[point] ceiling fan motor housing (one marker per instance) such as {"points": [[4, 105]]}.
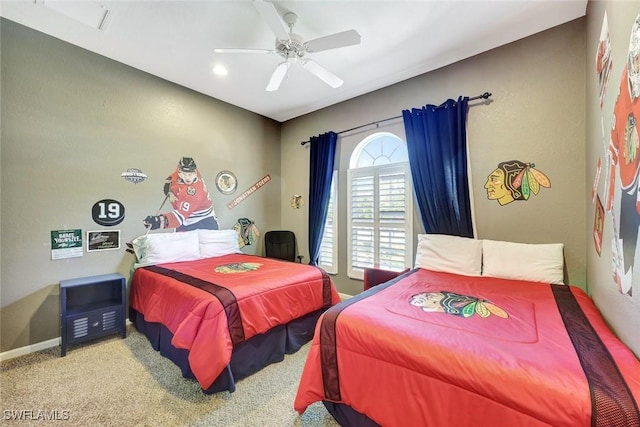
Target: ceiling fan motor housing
{"points": [[292, 48]]}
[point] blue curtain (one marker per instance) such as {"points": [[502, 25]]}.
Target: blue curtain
{"points": [[323, 150], [436, 143]]}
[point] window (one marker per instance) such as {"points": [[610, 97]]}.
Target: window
{"points": [[328, 259], [380, 199]]}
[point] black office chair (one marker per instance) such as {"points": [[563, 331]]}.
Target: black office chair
{"points": [[281, 244]]}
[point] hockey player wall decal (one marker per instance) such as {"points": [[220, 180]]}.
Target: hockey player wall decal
{"points": [[190, 199], [624, 158]]}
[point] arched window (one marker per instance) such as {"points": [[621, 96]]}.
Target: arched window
{"points": [[380, 205], [379, 149]]}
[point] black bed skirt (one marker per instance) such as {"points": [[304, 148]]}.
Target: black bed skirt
{"points": [[347, 416], [247, 358]]}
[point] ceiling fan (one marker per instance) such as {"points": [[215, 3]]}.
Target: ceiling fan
{"points": [[293, 47]]}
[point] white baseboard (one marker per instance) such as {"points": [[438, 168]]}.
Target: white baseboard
{"points": [[29, 349], [16, 352], [344, 296]]}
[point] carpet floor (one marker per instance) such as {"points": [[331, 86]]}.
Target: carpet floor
{"points": [[125, 382]]}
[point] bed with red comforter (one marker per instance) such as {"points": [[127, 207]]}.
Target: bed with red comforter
{"points": [[225, 317], [434, 349]]}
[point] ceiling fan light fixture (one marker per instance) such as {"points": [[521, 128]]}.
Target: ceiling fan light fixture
{"points": [[293, 47]]}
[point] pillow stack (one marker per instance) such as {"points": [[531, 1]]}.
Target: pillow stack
{"points": [[159, 248]]}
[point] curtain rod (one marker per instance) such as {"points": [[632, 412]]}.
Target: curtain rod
{"points": [[485, 95]]}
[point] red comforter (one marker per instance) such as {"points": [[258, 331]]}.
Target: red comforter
{"points": [[211, 304], [469, 351]]}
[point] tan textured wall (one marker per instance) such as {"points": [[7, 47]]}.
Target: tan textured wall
{"points": [[536, 114], [72, 122], [621, 311]]}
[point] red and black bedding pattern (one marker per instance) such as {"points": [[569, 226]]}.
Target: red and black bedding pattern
{"points": [[212, 304], [329, 345], [228, 299], [612, 401], [440, 348], [224, 295]]}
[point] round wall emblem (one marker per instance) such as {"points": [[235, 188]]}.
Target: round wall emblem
{"points": [[108, 212], [226, 182]]}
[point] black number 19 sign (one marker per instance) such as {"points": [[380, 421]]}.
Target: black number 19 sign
{"points": [[108, 212]]}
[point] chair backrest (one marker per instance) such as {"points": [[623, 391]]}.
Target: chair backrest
{"points": [[280, 244]]}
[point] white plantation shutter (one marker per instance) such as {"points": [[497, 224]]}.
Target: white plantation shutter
{"points": [[379, 218], [362, 215], [328, 259], [393, 218]]}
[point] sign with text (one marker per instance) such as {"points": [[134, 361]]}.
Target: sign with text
{"points": [[103, 240], [249, 191], [66, 244]]}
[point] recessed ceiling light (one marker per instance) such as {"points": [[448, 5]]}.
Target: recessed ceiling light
{"points": [[219, 70]]}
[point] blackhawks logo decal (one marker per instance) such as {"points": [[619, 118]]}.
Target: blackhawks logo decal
{"points": [[456, 304], [237, 267]]}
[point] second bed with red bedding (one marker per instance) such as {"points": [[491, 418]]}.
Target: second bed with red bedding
{"points": [[434, 348]]}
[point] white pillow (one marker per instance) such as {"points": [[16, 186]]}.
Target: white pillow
{"points": [[451, 254], [523, 261], [218, 243], [158, 248]]}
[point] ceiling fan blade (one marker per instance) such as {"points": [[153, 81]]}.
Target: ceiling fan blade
{"points": [[322, 73], [278, 76], [333, 41], [241, 50], [272, 17]]}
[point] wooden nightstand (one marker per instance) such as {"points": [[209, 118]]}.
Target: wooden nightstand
{"points": [[375, 276]]}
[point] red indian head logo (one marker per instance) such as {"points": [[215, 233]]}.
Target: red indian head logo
{"points": [[237, 267], [456, 304]]}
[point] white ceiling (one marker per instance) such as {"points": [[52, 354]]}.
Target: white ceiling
{"points": [[174, 40]]}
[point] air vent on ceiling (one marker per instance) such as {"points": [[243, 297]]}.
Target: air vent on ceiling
{"points": [[89, 13]]}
